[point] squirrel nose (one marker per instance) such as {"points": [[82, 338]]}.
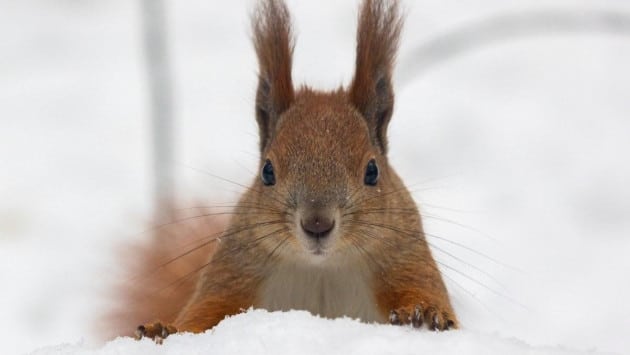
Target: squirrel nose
{"points": [[317, 225]]}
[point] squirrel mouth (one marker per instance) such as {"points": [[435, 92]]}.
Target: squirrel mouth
{"points": [[319, 251], [317, 248]]}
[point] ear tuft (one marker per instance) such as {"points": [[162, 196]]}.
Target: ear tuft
{"points": [[371, 90], [273, 42]]}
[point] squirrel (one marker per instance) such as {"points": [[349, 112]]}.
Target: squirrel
{"points": [[328, 226]]}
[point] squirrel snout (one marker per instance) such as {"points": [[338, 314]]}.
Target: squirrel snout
{"points": [[317, 225]]}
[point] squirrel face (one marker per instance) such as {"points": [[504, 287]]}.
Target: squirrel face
{"points": [[319, 161], [323, 154]]}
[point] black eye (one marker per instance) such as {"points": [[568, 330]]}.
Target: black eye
{"points": [[267, 175], [371, 173]]}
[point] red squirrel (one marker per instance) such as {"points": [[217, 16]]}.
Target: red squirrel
{"points": [[327, 226]]}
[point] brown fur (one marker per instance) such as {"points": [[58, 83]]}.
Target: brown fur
{"points": [[319, 145], [273, 42], [158, 279], [371, 90]]}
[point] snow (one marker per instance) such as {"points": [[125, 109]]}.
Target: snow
{"points": [[517, 153], [298, 332]]}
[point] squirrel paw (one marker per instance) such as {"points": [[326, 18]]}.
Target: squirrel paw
{"points": [[156, 331], [417, 316]]}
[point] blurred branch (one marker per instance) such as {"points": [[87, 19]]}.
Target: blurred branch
{"points": [[504, 27], [161, 103]]}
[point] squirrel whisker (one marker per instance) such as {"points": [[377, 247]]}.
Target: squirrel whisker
{"points": [[444, 264], [247, 188], [207, 240]]}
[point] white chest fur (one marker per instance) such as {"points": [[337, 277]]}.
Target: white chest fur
{"points": [[328, 291]]}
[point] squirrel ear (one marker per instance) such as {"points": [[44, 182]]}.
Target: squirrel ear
{"points": [[273, 42], [371, 90]]}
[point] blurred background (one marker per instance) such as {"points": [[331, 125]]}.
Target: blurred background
{"points": [[511, 127]]}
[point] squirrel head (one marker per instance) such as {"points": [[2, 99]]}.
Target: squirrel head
{"points": [[324, 154]]}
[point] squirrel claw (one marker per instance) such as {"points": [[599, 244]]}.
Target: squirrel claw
{"points": [[417, 317], [156, 331], [439, 320], [402, 317], [394, 318], [140, 331], [434, 319]]}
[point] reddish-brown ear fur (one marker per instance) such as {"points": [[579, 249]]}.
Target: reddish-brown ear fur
{"points": [[371, 90], [274, 47]]}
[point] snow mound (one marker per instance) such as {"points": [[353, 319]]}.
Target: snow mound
{"points": [[298, 332]]}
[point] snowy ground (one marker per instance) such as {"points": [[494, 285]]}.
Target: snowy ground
{"points": [[518, 150], [298, 332]]}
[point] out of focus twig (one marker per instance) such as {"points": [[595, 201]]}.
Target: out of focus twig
{"points": [[438, 50], [161, 104]]}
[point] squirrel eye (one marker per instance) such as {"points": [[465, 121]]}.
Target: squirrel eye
{"points": [[371, 173], [267, 175]]}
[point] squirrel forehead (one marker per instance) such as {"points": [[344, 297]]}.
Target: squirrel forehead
{"points": [[321, 126]]}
